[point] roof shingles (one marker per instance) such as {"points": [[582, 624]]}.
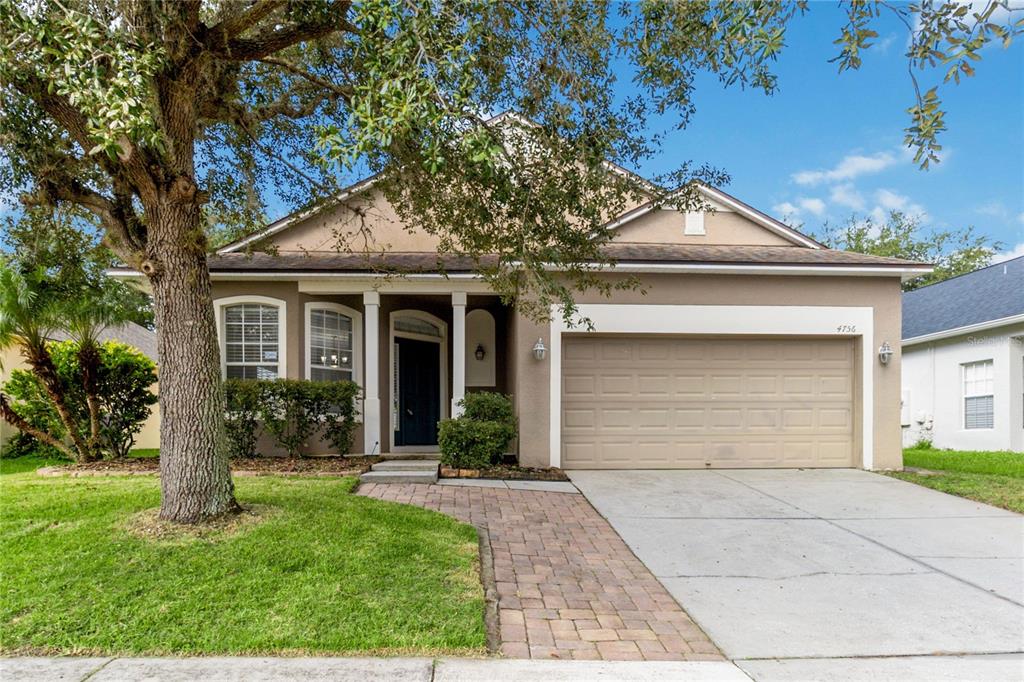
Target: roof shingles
{"points": [[409, 262], [988, 294]]}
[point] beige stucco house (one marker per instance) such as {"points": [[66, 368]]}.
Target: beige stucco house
{"points": [[751, 346]]}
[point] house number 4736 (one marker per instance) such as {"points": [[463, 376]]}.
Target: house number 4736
{"points": [[846, 329]]}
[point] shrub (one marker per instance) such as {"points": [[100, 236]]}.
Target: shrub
{"points": [[486, 406], [292, 411], [470, 444], [123, 384], [481, 435], [242, 419]]}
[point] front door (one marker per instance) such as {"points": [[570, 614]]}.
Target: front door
{"points": [[419, 391]]}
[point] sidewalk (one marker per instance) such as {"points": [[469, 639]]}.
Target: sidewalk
{"points": [[68, 669]]}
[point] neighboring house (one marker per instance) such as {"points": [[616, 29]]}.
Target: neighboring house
{"points": [[128, 333], [963, 360], [752, 346]]}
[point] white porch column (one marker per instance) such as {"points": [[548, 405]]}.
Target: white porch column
{"points": [[458, 350], [371, 384]]}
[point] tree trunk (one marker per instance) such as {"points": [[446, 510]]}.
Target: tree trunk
{"points": [[195, 478]]}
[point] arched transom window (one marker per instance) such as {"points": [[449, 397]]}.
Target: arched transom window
{"points": [[252, 347]]}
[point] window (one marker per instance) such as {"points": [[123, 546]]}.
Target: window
{"points": [[978, 395], [331, 354], [252, 347], [333, 342], [417, 325]]}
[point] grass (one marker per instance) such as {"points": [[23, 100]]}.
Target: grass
{"points": [[321, 571], [995, 478], [144, 453]]}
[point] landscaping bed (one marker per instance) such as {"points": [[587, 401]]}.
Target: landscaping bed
{"points": [[506, 472], [311, 570], [241, 466], [995, 478]]}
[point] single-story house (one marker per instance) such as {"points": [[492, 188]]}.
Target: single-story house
{"points": [[752, 345], [963, 361], [128, 333]]}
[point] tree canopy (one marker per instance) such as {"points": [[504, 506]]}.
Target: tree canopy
{"points": [[168, 121], [952, 252]]}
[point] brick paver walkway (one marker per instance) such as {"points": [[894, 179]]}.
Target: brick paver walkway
{"points": [[568, 586]]}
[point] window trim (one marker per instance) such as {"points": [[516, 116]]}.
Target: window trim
{"points": [[357, 336], [964, 395], [282, 327]]}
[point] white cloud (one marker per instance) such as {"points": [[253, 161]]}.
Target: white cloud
{"points": [[1015, 252], [995, 209], [850, 167], [813, 205], [790, 211], [785, 209], [847, 195], [889, 200]]}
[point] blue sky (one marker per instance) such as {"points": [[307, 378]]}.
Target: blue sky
{"points": [[827, 145]]}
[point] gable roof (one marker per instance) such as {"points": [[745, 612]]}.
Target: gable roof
{"points": [[990, 296]]}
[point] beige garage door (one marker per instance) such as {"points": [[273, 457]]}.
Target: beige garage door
{"points": [[688, 403]]}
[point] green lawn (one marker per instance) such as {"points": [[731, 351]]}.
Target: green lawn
{"points": [[995, 478], [325, 572]]}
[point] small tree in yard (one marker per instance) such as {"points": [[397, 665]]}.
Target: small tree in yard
{"points": [[165, 120], [953, 252], [123, 382]]}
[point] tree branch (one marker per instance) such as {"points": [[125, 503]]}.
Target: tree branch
{"points": [[233, 26], [275, 39], [19, 422]]}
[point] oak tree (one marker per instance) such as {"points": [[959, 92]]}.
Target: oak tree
{"points": [[169, 121]]}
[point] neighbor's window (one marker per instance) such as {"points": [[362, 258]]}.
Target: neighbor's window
{"points": [[978, 395], [251, 344], [330, 345]]}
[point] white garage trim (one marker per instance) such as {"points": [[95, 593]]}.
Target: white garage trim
{"points": [[613, 318]]}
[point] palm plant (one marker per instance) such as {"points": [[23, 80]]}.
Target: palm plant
{"points": [[27, 318]]}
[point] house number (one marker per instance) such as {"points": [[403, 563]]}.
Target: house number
{"points": [[846, 329]]}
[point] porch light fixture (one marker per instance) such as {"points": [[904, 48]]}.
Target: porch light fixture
{"points": [[885, 353], [479, 353], [539, 349]]}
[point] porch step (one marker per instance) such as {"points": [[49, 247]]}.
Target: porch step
{"points": [[426, 465], [402, 471]]}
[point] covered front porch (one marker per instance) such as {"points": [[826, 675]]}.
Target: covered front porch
{"points": [[424, 352]]}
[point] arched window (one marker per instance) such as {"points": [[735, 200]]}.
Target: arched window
{"points": [[252, 343], [333, 342]]}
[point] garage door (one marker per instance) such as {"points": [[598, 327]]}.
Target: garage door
{"points": [[687, 403]]}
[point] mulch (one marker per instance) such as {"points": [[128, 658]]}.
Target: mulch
{"points": [[509, 472], [249, 466]]}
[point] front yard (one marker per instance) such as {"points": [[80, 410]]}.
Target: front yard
{"points": [[322, 571], [995, 478]]}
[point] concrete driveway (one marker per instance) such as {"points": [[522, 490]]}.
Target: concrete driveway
{"points": [[820, 564]]}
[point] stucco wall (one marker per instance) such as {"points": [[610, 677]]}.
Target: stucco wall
{"points": [[720, 227], [881, 294], [933, 389]]}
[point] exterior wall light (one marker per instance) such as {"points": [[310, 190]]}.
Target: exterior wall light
{"points": [[539, 349], [885, 353], [479, 353]]}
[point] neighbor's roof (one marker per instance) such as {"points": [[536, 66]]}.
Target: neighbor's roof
{"points": [[983, 296], [128, 333], [623, 253]]}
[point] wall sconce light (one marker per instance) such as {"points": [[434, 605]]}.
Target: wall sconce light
{"points": [[885, 353], [539, 349], [479, 353]]}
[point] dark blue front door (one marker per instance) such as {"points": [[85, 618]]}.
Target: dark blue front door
{"points": [[419, 389]]}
